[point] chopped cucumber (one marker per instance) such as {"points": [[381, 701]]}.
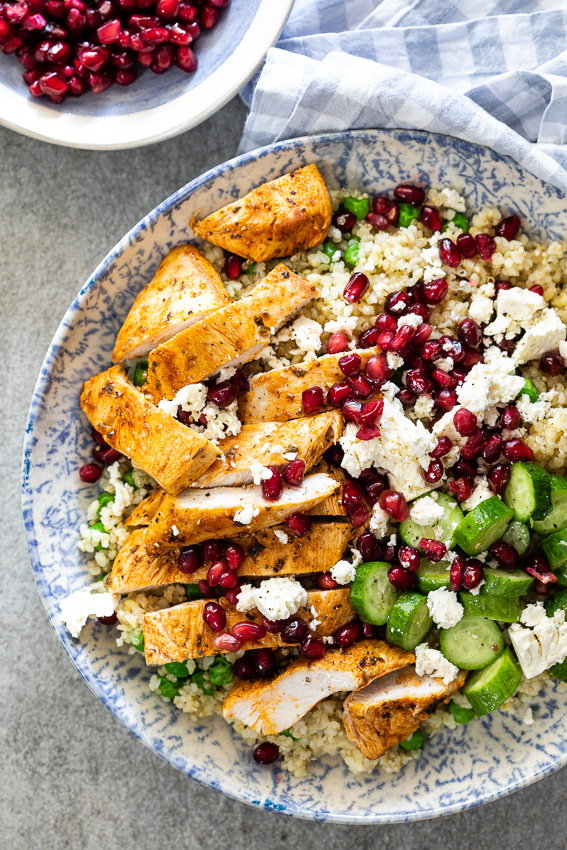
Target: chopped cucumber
{"points": [[372, 595], [561, 576], [557, 519], [554, 548], [483, 526], [472, 644], [501, 608], [518, 535], [489, 688], [412, 533], [557, 602], [432, 576], [409, 622], [530, 390], [506, 583], [528, 492]]}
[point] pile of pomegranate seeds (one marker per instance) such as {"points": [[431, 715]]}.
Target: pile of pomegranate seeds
{"points": [[69, 47]]}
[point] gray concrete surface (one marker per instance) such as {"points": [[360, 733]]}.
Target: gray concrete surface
{"points": [[70, 776]]}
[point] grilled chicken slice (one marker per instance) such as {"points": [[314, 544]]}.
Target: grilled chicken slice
{"points": [[198, 514], [228, 337], [283, 217], [268, 444], [186, 288], [146, 510], [178, 633], [275, 396], [389, 709], [160, 445], [269, 707]]}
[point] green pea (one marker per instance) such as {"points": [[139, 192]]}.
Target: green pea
{"points": [[128, 478], [202, 683], [287, 733], [103, 500], [359, 206], [193, 592], [408, 213], [351, 255], [168, 689], [221, 672], [329, 249], [413, 742], [140, 373], [530, 390], [137, 640], [461, 221], [251, 268], [98, 526], [461, 715], [177, 668]]}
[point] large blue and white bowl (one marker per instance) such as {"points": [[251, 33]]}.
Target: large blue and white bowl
{"points": [[154, 107], [458, 769]]}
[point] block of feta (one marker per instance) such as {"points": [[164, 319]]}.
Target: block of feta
{"points": [[546, 335], [431, 662], [538, 640], [426, 511], [82, 604], [275, 598], [444, 608]]}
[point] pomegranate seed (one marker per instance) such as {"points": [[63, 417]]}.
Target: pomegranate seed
{"points": [[215, 572], [377, 369], [337, 343], [367, 433], [351, 410], [338, 393], [369, 630], [465, 422], [325, 581], [351, 495], [358, 516], [373, 491], [435, 292], [385, 322], [10, 47], [272, 488], [313, 400], [227, 643], [222, 394], [516, 449], [89, 473], [474, 445], [510, 417], [214, 616], [445, 400], [94, 58], [233, 267], [356, 287], [385, 207], [190, 559], [409, 194], [498, 478], [53, 83], [473, 574], [502, 285], [34, 22], [99, 82], [344, 220], [125, 77], [434, 472], [75, 21], [58, 53], [456, 573], [234, 556], [444, 379], [106, 455], [443, 447], [205, 589], [124, 60], [368, 546], [492, 449], [298, 523], [505, 554], [213, 550], [228, 580], [108, 621], [368, 338], [296, 630], [398, 302], [334, 455], [406, 397], [431, 217], [232, 594], [178, 35], [294, 472], [394, 504], [552, 364], [379, 222], [347, 634], [245, 667], [265, 662], [219, 4], [508, 228], [465, 467], [403, 337], [32, 76], [273, 626], [350, 364], [208, 17], [167, 9], [486, 246], [434, 550], [418, 383], [452, 348], [155, 35], [409, 558], [6, 31], [248, 631], [188, 13], [537, 565], [469, 332], [266, 753], [109, 32], [402, 579], [461, 488], [360, 386], [419, 310], [240, 382], [470, 358], [312, 648], [449, 253], [537, 289], [371, 412], [186, 59], [431, 350], [423, 333]]}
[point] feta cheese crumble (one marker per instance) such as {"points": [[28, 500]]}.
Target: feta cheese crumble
{"points": [[260, 473], [82, 604], [489, 384], [275, 598], [431, 662], [379, 522], [343, 572], [480, 493], [282, 536], [444, 608], [246, 514], [426, 511], [193, 400], [538, 640], [307, 335]]}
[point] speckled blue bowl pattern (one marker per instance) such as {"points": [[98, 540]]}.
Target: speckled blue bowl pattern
{"points": [[458, 769]]}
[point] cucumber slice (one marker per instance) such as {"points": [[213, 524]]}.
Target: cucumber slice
{"points": [[528, 492], [372, 595], [554, 548], [432, 576], [472, 644], [409, 622], [557, 519], [557, 602], [508, 584], [489, 688], [530, 390], [492, 607], [412, 533], [483, 526], [561, 576], [518, 535]]}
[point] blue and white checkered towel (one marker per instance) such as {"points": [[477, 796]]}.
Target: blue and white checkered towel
{"points": [[491, 72]]}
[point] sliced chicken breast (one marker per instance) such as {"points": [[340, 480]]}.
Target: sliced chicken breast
{"points": [[268, 444], [178, 633], [185, 289], [269, 707], [390, 709], [275, 396], [157, 443], [228, 337], [199, 514], [146, 510], [278, 219]]}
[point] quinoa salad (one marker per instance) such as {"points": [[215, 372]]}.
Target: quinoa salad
{"points": [[330, 458]]}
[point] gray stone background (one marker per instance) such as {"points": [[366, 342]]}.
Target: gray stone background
{"points": [[70, 775]]}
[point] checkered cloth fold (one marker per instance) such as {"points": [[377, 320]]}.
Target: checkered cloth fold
{"points": [[491, 72]]}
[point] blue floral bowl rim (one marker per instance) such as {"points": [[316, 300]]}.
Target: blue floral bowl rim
{"points": [[42, 387]]}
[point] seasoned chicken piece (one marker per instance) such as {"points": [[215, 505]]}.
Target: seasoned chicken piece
{"points": [[228, 337], [186, 288], [269, 707], [178, 633], [283, 217], [275, 396], [268, 444], [197, 515], [160, 445], [146, 510], [390, 709]]}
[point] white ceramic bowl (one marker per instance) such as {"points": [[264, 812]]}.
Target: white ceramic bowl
{"points": [[457, 769], [154, 107]]}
